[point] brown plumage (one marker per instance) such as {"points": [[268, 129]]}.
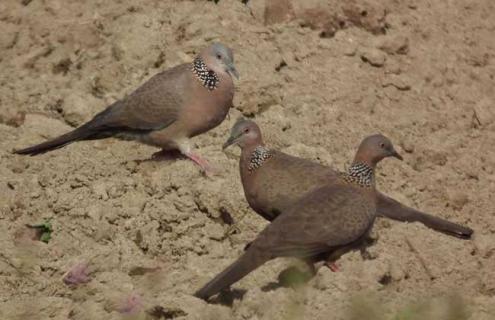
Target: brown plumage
{"points": [[167, 110], [330, 219], [283, 179]]}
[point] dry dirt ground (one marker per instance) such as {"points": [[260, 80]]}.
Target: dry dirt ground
{"points": [[317, 77]]}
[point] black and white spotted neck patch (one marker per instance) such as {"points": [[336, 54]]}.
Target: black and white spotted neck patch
{"points": [[361, 174], [208, 77], [258, 157]]}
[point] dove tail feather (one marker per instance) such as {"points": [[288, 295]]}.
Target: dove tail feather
{"points": [[248, 262], [392, 209], [81, 133]]}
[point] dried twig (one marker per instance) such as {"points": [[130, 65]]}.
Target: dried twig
{"points": [[420, 258]]}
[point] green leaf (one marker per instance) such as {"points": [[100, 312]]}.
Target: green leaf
{"points": [[45, 237]]}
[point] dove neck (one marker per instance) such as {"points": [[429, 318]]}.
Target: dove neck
{"points": [[208, 78], [362, 174], [255, 156]]}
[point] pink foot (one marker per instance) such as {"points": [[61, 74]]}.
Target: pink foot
{"points": [[332, 266], [202, 163]]}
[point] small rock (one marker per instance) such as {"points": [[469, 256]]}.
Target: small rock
{"points": [[8, 36], [94, 213], [278, 11], [393, 67], [458, 199], [45, 126], [393, 44], [483, 113], [116, 191], [401, 82], [437, 157], [35, 195], [100, 190], [78, 180], [76, 110], [366, 15], [276, 114], [348, 45], [17, 167], [396, 272], [407, 144], [13, 119], [472, 171], [63, 66], [374, 57], [412, 6], [257, 8], [485, 246], [214, 231]]}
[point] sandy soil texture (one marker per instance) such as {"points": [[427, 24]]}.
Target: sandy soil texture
{"points": [[317, 76]]}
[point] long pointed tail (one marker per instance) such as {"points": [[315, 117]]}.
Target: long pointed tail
{"points": [[390, 208], [80, 133], [248, 262]]}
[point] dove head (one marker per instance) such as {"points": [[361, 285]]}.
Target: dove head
{"points": [[219, 58], [375, 148], [244, 133]]}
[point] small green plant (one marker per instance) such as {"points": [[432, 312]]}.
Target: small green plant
{"points": [[43, 230]]}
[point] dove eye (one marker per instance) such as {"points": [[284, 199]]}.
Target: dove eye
{"points": [[382, 145], [246, 130], [219, 56]]}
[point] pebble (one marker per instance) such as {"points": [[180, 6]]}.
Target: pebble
{"points": [[75, 108], [374, 57], [401, 82], [458, 199], [214, 231], [8, 36], [485, 246], [396, 272], [349, 48], [484, 113], [407, 144], [393, 44], [278, 11], [100, 190]]}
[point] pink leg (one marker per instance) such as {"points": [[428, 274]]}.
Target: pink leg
{"points": [[332, 266], [202, 163]]}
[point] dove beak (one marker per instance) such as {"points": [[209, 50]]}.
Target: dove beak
{"points": [[230, 141], [395, 154], [232, 70]]}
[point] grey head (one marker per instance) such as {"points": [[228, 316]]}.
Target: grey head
{"points": [[375, 148], [244, 133], [219, 57]]}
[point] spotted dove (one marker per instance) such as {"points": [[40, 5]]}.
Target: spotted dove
{"points": [[273, 185], [167, 110], [323, 224]]}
